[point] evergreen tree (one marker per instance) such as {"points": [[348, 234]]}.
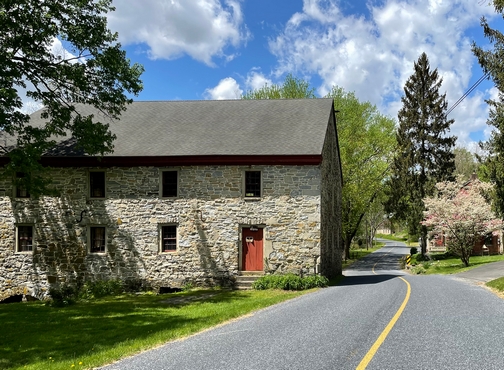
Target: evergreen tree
{"points": [[492, 62], [425, 150]]}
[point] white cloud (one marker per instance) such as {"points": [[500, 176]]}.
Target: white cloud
{"points": [[373, 56], [256, 80], [56, 48], [227, 88], [201, 29]]}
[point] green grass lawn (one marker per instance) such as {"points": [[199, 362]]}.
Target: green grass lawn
{"points": [[440, 265], [358, 253], [89, 334], [398, 238], [497, 284]]}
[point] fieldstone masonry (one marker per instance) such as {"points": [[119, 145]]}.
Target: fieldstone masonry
{"points": [[209, 213]]}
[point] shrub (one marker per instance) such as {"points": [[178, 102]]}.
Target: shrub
{"points": [[101, 288], [413, 250], [135, 285], [418, 270], [290, 282], [63, 295], [66, 294], [422, 257], [188, 286]]}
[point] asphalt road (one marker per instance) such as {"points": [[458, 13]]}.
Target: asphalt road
{"points": [[446, 323]]}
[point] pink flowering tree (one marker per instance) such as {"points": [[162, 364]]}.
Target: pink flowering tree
{"points": [[462, 213]]}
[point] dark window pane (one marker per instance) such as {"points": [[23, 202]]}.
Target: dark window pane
{"points": [[97, 240], [97, 184], [21, 191], [253, 183], [169, 184], [489, 239], [25, 238], [169, 238]]}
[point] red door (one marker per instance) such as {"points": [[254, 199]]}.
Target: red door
{"points": [[252, 249]]}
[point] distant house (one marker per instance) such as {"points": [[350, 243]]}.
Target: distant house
{"points": [[195, 191]]}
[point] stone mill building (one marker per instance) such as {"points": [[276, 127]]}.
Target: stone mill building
{"points": [[195, 192]]}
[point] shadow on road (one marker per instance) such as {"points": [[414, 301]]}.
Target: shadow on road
{"points": [[376, 267], [380, 260], [366, 279]]}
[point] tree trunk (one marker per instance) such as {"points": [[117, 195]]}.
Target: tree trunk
{"points": [[423, 240], [347, 242]]}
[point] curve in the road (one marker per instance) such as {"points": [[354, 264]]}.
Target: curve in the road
{"points": [[376, 345], [380, 262]]}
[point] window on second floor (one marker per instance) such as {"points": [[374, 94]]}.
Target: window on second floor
{"points": [[169, 184], [21, 191], [97, 184], [252, 184]]}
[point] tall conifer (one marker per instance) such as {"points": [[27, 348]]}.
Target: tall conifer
{"points": [[492, 62], [425, 149]]}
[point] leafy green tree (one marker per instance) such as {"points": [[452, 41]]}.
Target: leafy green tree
{"points": [[492, 62], [93, 71], [425, 150], [367, 142], [291, 88], [465, 163], [374, 218]]}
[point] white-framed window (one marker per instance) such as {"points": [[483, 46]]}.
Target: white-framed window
{"points": [[169, 184], [97, 239], [252, 184], [97, 184], [20, 190], [168, 238], [24, 238]]}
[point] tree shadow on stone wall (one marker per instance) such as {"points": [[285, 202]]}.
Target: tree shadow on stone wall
{"points": [[212, 261], [60, 246]]}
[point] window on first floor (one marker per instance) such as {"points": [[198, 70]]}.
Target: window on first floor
{"points": [[97, 184], [489, 240], [252, 184], [97, 239], [168, 238], [169, 184], [24, 238]]}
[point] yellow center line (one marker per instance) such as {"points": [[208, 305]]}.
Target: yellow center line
{"points": [[374, 348]]}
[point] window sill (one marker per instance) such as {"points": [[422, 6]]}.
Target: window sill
{"points": [[252, 198]]}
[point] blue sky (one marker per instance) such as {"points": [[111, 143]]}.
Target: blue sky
{"points": [[218, 49]]}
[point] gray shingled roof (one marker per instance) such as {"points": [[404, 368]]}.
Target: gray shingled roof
{"points": [[223, 127]]}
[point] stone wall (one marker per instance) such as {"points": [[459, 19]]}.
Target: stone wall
{"points": [[209, 213], [331, 185]]}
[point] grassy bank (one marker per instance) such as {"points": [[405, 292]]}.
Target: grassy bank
{"points": [[90, 334], [441, 264]]}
